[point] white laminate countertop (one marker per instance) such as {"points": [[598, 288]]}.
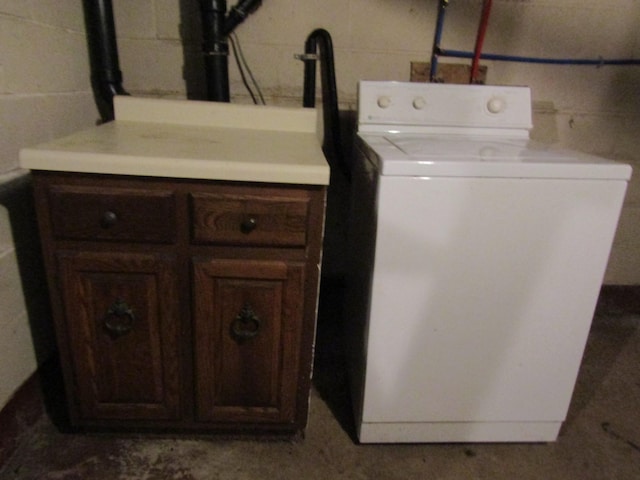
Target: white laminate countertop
{"points": [[193, 139]]}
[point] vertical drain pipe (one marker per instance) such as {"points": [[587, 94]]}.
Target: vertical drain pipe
{"points": [[216, 28], [319, 40], [215, 49], [106, 77]]}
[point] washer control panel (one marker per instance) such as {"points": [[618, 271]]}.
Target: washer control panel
{"points": [[443, 105]]}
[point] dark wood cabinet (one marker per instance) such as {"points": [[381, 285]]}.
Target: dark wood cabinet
{"points": [[182, 304], [246, 337], [121, 311]]}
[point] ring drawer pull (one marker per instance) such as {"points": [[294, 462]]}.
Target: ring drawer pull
{"points": [[248, 225], [119, 319], [246, 325], [109, 219]]}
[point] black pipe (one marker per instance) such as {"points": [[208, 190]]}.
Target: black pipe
{"points": [[106, 77], [239, 13], [215, 49], [320, 41], [216, 28]]}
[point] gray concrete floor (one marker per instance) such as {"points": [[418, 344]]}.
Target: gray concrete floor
{"points": [[600, 439]]}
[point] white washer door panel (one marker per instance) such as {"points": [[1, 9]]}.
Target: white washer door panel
{"points": [[483, 294]]}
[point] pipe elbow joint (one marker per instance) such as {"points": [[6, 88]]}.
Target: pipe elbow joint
{"points": [[239, 13]]}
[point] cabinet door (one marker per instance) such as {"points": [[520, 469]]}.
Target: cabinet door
{"points": [[248, 316], [122, 325]]}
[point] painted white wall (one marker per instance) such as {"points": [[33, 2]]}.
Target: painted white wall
{"points": [[591, 109], [44, 93], [45, 89], [16, 345]]}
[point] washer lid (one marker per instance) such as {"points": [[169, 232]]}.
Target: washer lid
{"points": [[484, 156]]}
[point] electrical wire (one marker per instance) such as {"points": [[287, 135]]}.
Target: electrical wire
{"points": [[241, 70], [246, 64], [241, 61]]}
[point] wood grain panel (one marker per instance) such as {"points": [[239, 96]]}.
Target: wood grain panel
{"points": [[244, 219], [101, 213], [128, 374], [241, 379]]}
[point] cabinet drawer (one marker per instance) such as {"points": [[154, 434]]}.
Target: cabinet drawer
{"points": [[120, 214], [239, 219]]}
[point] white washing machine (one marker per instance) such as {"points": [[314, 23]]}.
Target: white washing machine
{"points": [[477, 259]]}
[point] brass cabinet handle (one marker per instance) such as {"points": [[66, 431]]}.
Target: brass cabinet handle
{"points": [[248, 225], [119, 319], [246, 325]]}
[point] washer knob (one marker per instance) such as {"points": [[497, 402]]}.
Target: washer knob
{"points": [[419, 103], [496, 105], [384, 101]]}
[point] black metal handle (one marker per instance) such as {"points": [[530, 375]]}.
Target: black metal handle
{"points": [[109, 219], [248, 225], [119, 319], [246, 325]]}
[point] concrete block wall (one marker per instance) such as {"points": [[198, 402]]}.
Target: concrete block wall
{"points": [[44, 93], [587, 108], [45, 89], [16, 345]]}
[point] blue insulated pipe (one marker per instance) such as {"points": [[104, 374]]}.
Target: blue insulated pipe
{"points": [[553, 61], [437, 38]]}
